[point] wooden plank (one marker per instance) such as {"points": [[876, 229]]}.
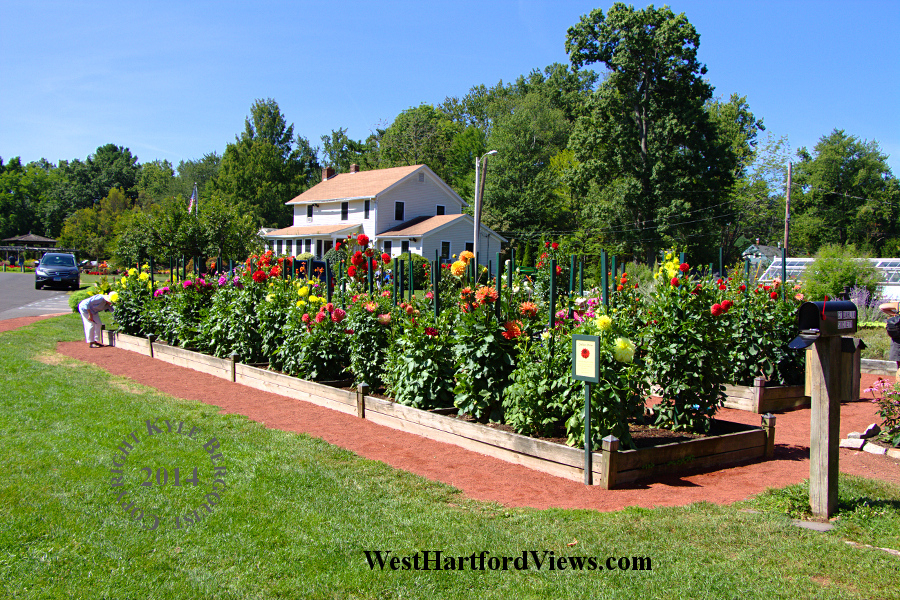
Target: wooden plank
{"points": [[739, 403], [300, 385], [783, 404], [525, 460], [268, 386], [705, 462], [635, 459], [739, 391], [787, 391], [189, 363], [132, 343], [190, 355], [502, 439]]}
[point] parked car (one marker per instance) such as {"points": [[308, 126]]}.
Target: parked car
{"points": [[57, 269]]}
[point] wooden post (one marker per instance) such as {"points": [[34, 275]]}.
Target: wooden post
{"points": [[362, 390], [150, 339], [768, 425], [759, 385], [825, 421], [787, 206], [609, 461]]}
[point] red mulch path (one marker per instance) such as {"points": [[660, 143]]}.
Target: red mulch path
{"points": [[485, 478], [10, 324]]}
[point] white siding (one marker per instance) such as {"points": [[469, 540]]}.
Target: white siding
{"points": [[329, 213], [458, 234], [419, 198]]}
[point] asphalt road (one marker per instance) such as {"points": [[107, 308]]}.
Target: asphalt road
{"points": [[18, 298]]}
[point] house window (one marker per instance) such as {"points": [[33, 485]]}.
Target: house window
{"points": [[440, 209], [387, 247], [309, 213], [445, 250], [366, 209], [404, 247], [328, 245], [345, 210], [288, 246], [421, 177], [470, 247], [278, 247], [308, 246], [318, 248], [398, 211]]}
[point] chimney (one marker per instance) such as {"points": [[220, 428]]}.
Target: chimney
{"points": [[327, 173], [354, 168]]}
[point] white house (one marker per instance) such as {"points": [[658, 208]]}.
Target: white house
{"points": [[401, 209]]}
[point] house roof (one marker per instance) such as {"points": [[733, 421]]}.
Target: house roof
{"points": [[30, 237], [313, 230], [421, 226], [348, 186], [767, 251]]}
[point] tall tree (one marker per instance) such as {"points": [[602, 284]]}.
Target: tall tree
{"points": [[339, 151], [202, 172], [845, 193], [420, 135], [264, 169], [22, 190], [155, 181], [646, 152]]}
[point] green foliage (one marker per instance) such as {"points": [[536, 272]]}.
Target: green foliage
{"points": [[887, 397], [484, 360], [315, 349], [759, 329], [232, 324], [646, 149], [135, 293], [836, 267], [420, 366], [684, 341], [75, 298], [845, 194], [420, 135], [371, 322], [421, 269]]}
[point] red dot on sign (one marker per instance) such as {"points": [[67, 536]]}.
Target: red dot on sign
{"points": [[585, 353]]}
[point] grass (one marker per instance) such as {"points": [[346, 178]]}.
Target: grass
{"points": [[297, 514]]}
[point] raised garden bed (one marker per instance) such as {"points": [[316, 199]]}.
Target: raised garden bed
{"points": [[759, 399], [611, 466]]}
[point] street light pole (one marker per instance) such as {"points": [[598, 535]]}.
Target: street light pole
{"points": [[480, 171]]}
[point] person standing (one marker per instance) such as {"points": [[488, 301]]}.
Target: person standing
{"points": [[893, 310], [90, 309]]}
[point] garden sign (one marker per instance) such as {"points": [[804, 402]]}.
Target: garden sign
{"points": [[586, 368]]}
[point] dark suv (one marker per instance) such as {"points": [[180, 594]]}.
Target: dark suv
{"points": [[57, 269]]}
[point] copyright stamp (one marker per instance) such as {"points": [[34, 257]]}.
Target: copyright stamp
{"points": [[168, 474]]}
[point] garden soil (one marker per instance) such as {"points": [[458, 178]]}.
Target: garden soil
{"points": [[489, 479]]}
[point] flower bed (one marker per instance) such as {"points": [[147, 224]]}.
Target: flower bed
{"points": [[610, 467], [762, 399]]}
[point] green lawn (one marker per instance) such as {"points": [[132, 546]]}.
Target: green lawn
{"points": [[297, 515]]}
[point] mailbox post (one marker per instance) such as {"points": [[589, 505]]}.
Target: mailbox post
{"points": [[821, 325]]}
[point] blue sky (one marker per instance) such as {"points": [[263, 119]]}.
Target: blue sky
{"points": [[175, 80]]}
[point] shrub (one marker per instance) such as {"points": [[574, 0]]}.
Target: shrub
{"points": [[316, 349], [75, 298], [887, 397], [836, 267], [421, 268]]}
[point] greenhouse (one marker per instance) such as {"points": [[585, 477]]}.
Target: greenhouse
{"points": [[888, 269]]}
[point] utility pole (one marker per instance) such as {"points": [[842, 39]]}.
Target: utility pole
{"points": [[787, 209]]}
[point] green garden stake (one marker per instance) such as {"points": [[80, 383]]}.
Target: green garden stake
{"points": [[783, 271], [343, 285], [604, 279], [171, 270], [400, 288], [231, 266], [152, 280], [394, 271], [747, 269], [371, 276], [612, 270], [184, 268], [681, 257], [437, 287], [571, 286], [552, 293], [581, 277], [721, 262], [329, 292], [412, 278], [499, 283]]}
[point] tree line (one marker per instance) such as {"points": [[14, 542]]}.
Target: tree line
{"points": [[626, 148]]}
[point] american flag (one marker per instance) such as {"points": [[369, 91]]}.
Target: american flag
{"points": [[193, 200]]}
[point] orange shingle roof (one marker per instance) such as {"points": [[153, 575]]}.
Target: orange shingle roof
{"points": [[420, 225], [364, 184]]}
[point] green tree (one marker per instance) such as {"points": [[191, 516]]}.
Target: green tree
{"points": [[82, 232], [202, 172], [647, 155], [155, 181], [420, 135], [22, 190], [340, 151], [264, 169], [835, 267], [844, 192]]}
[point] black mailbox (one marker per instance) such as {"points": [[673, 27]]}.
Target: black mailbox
{"points": [[824, 319]]}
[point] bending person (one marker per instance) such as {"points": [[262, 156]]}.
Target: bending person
{"points": [[90, 309]]}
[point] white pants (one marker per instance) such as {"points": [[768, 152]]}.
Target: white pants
{"points": [[91, 328]]}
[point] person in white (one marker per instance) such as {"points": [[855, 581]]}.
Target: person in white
{"points": [[90, 309]]}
